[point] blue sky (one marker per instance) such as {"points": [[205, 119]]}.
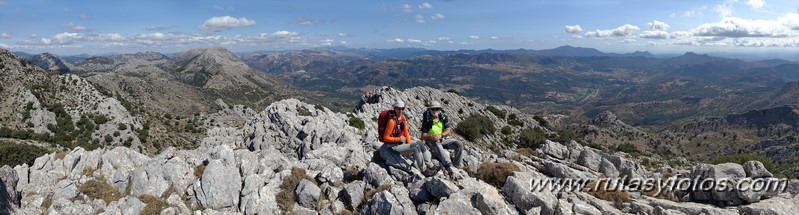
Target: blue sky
{"points": [[111, 26]]}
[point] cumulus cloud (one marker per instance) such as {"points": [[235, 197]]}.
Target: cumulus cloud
{"points": [[790, 20], [437, 16], [425, 6], [654, 34], [85, 17], [407, 8], [621, 31], [327, 42], [658, 25], [5, 35], [494, 37], [224, 23], [474, 37], [571, 29], [420, 19], [76, 28], [306, 21], [342, 34], [738, 27], [281, 34], [756, 4], [444, 38]]}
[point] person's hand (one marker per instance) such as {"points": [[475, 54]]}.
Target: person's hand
{"points": [[402, 139], [437, 137]]}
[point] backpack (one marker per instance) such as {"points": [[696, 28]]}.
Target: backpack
{"points": [[382, 121]]}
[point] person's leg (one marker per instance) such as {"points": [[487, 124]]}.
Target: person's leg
{"points": [[457, 148], [393, 157], [413, 149], [440, 153]]}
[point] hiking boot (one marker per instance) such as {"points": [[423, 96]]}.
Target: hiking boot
{"points": [[432, 171]]}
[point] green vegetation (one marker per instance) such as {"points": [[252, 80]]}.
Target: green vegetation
{"points": [[356, 122], [497, 112], [542, 121], [100, 119], [18, 154], [495, 173], [475, 127], [743, 158], [514, 120], [453, 91], [628, 148], [532, 138], [565, 136], [507, 130], [122, 126], [302, 111], [319, 107]]}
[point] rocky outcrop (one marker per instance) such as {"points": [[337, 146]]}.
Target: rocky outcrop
{"points": [[255, 170]]}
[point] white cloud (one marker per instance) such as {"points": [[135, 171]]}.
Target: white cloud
{"points": [[5, 35], [85, 17], [790, 20], [396, 40], [621, 31], [695, 12], [420, 19], [414, 41], [327, 42], [108, 37], [224, 23], [3, 46], [474, 37], [756, 4], [738, 27], [437, 16], [444, 38], [33, 36], [342, 34], [571, 29], [65, 38], [654, 34], [629, 40], [76, 28], [343, 42], [425, 6], [306, 21], [407, 8], [155, 28], [724, 10], [281, 34], [465, 43], [494, 37], [658, 26], [577, 36], [680, 34]]}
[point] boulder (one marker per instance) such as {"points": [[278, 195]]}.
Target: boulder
{"points": [[441, 188], [220, 186], [353, 193], [376, 176], [8, 188], [307, 194], [755, 169], [489, 201]]}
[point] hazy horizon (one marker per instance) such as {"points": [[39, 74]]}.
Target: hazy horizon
{"points": [[98, 27]]}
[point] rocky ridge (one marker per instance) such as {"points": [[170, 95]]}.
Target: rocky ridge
{"points": [[239, 170]]}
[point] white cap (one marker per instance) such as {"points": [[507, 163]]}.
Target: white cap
{"points": [[435, 104], [399, 104]]}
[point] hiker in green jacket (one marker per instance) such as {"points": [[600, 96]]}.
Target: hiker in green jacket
{"points": [[436, 133]]}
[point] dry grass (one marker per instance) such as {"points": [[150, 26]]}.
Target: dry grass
{"points": [[286, 197], [153, 205], [199, 170], [88, 171], [60, 155], [96, 188], [527, 152], [344, 212], [659, 192], [606, 191], [379, 189], [495, 173]]}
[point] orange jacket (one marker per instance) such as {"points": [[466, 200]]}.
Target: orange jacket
{"points": [[390, 128]]}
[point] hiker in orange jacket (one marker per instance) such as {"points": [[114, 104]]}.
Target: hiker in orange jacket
{"points": [[398, 139]]}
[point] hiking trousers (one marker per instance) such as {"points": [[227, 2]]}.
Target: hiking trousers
{"points": [[419, 151], [440, 151]]}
